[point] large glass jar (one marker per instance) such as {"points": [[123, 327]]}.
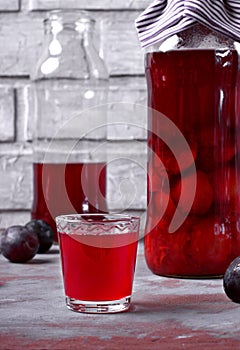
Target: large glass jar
{"points": [[70, 83], [194, 154]]}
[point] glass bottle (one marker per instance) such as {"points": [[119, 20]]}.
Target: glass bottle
{"points": [[193, 216], [70, 83]]}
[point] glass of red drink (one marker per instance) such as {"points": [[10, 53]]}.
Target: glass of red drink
{"points": [[98, 256]]}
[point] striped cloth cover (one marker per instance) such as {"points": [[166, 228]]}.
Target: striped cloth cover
{"points": [[163, 18]]}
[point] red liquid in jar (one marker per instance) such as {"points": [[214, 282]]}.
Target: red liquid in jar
{"points": [[198, 90], [49, 198], [99, 272]]}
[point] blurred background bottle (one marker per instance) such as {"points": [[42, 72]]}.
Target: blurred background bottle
{"points": [[69, 81]]}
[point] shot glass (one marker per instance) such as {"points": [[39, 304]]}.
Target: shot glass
{"points": [[98, 256]]}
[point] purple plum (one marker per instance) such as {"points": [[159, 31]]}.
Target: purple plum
{"points": [[44, 232], [18, 244]]}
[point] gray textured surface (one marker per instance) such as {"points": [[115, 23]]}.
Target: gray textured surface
{"points": [[86, 4], [9, 5], [165, 312], [7, 117]]}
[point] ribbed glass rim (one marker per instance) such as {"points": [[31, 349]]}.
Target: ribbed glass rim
{"points": [[89, 218]]}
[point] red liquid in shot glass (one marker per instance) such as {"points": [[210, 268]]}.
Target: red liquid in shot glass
{"points": [[98, 268]]}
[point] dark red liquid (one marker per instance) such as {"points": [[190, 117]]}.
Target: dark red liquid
{"points": [[68, 188], [199, 91], [99, 272]]}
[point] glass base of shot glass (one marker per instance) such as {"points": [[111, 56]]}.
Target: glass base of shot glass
{"points": [[98, 307]]}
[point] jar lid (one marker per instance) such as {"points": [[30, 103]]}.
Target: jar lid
{"points": [[164, 18]]}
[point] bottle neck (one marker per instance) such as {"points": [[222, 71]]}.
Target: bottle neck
{"points": [[69, 50], [195, 37], [78, 20], [201, 37], [80, 29], [69, 28]]}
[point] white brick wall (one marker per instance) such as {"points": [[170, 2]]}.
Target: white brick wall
{"points": [[16, 177], [88, 4], [9, 5], [7, 130], [21, 37]]}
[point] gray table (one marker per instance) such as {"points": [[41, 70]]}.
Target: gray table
{"points": [[166, 313]]}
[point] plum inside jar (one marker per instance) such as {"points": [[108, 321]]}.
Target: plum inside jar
{"points": [[198, 91]]}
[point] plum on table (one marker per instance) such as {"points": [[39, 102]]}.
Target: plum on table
{"points": [[231, 280], [18, 244], [44, 232]]}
